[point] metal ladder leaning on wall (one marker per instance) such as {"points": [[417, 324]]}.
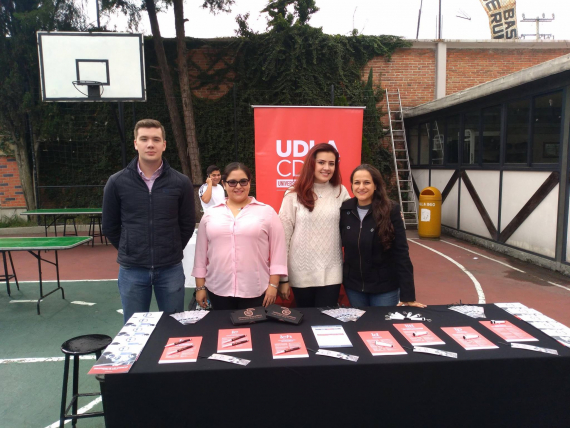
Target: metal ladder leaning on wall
{"points": [[402, 166]]}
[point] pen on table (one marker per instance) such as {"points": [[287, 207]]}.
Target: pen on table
{"points": [[234, 338], [178, 343], [470, 336], [239, 342], [288, 350], [497, 322], [181, 349]]}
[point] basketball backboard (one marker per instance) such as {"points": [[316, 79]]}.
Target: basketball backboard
{"points": [[91, 66]]}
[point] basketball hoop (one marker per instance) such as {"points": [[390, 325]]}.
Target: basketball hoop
{"points": [[91, 67], [94, 89]]}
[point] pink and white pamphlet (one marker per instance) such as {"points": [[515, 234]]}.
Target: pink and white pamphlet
{"points": [[381, 343], [418, 334], [469, 338]]}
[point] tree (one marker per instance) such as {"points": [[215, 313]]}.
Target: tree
{"points": [[185, 137], [20, 110], [280, 16]]}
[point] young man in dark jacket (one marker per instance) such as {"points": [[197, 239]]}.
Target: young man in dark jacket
{"points": [[148, 215]]}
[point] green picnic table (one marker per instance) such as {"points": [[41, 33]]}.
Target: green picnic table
{"points": [[37, 245], [55, 214]]}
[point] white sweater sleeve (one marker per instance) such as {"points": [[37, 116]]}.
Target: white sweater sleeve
{"points": [[288, 215], [344, 195]]}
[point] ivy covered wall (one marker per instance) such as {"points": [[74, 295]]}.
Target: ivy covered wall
{"points": [[296, 65]]}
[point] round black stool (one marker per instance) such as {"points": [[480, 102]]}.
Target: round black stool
{"points": [[80, 345]]}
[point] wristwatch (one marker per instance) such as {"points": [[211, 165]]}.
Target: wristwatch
{"points": [[201, 288]]}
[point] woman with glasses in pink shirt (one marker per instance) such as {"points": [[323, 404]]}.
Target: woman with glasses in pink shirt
{"points": [[240, 248]]}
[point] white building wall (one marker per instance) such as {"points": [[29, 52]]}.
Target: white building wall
{"points": [[486, 184], [421, 177], [439, 179], [538, 231]]}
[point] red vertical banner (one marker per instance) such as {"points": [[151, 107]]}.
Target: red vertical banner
{"points": [[284, 136]]}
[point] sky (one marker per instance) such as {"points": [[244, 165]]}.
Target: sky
{"points": [[370, 17]]}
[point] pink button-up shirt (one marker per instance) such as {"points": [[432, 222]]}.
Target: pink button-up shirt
{"points": [[150, 181], [237, 255]]}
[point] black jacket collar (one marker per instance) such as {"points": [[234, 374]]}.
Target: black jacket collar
{"points": [[350, 204]]}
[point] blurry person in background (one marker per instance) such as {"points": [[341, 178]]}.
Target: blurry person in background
{"points": [[211, 192]]}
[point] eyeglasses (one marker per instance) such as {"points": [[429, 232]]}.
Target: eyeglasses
{"points": [[233, 183]]}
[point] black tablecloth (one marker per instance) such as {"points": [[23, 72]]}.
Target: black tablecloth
{"points": [[498, 387]]}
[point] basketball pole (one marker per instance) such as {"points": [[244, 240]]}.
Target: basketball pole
{"points": [[122, 132]]}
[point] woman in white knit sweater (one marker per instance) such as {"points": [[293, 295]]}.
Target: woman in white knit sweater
{"points": [[310, 215]]}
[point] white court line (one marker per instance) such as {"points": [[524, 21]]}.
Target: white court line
{"points": [[507, 265], [24, 301], [41, 360], [84, 409], [478, 288], [558, 285], [79, 302], [482, 255]]}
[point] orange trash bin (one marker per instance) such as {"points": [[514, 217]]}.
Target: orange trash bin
{"points": [[429, 215]]}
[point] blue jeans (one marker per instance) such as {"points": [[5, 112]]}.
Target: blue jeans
{"points": [[359, 299], [135, 287]]}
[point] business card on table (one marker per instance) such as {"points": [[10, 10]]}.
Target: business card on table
{"points": [[229, 359], [508, 331], [418, 334], [424, 350], [344, 314], [534, 348], [288, 345], [381, 343], [139, 319], [126, 347], [234, 340], [469, 310], [469, 338], [335, 354], [181, 350], [331, 336], [189, 317]]}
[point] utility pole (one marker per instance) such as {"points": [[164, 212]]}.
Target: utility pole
{"points": [[538, 20], [419, 19], [439, 22], [98, 22]]}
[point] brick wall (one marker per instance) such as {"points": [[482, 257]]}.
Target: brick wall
{"points": [[206, 61], [11, 194], [413, 70], [410, 70], [471, 67]]}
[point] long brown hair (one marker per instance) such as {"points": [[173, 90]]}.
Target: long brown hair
{"points": [[381, 205], [304, 184]]}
